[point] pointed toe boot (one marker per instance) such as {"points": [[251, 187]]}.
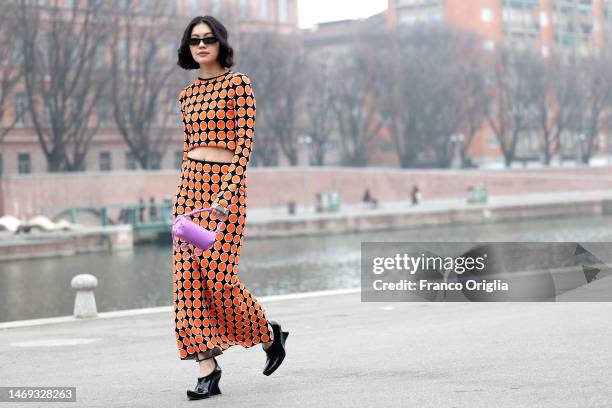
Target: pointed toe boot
{"points": [[276, 352]]}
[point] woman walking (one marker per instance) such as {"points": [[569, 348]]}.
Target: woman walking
{"points": [[213, 309]]}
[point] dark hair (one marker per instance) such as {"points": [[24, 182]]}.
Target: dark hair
{"points": [[226, 52]]}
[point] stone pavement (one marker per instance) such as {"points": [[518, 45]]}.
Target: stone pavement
{"points": [[341, 353]]}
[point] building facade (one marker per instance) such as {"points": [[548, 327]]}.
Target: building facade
{"points": [[20, 151], [566, 28]]}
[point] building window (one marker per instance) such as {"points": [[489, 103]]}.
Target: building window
{"points": [[102, 111], [20, 108], [489, 45], [407, 19], [543, 19], [100, 58], [385, 147], [156, 159], [47, 110], [172, 52], [283, 13], [171, 8], [46, 46], [16, 55], [178, 159], [71, 48], [435, 16], [150, 47], [105, 161], [194, 6], [584, 49], [123, 53], [1, 165], [130, 161], [244, 9], [486, 14], [493, 142], [122, 5], [264, 10], [216, 7], [177, 113], [24, 163], [545, 51], [330, 145], [596, 25], [77, 106], [145, 6]]}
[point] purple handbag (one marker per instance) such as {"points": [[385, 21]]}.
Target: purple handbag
{"points": [[193, 233]]}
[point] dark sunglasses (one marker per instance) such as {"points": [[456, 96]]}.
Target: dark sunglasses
{"points": [[207, 40]]}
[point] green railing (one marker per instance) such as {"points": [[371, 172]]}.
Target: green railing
{"points": [[141, 216]]}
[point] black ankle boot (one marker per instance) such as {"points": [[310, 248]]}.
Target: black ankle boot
{"points": [[276, 352], [208, 385]]}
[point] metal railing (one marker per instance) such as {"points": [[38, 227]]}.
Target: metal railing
{"points": [[139, 215]]}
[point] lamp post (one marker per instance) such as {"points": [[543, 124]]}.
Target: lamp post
{"points": [[608, 147], [581, 139], [456, 140], [305, 140]]}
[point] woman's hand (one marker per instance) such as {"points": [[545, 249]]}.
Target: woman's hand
{"points": [[219, 211]]}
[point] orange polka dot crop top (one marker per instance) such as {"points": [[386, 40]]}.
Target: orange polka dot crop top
{"points": [[220, 112]]}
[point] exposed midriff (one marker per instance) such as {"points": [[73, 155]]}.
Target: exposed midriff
{"points": [[210, 153]]}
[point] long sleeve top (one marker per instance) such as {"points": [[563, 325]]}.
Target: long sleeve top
{"points": [[220, 112]]}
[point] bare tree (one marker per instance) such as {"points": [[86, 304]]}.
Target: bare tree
{"points": [[593, 98], [280, 85], [248, 50], [512, 113], [357, 84], [62, 83], [318, 106], [555, 89], [10, 62], [567, 95], [142, 102], [474, 95], [422, 101], [541, 80], [455, 91]]}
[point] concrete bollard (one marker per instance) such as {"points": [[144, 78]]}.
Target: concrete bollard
{"points": [[85, 302]]}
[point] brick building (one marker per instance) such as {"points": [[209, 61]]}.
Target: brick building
{"points": [[567, 28], [20, 152]]}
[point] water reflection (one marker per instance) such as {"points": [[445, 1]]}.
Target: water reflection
{"points": [[41, 288]]}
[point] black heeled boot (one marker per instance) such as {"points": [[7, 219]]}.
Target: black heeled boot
{"points": [[208, 385], [276, 352]]}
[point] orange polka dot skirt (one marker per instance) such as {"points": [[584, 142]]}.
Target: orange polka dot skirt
{"points": [[213, 309]]}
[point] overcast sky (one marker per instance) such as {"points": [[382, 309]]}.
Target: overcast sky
{"points": [[317, 11]]}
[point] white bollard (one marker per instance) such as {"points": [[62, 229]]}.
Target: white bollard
{"points": [[85, 302]]}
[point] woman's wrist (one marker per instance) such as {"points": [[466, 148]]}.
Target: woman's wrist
{"points": [[219, 207]]}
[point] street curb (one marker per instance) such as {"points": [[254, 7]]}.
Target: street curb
{"points": [[165, 309]]}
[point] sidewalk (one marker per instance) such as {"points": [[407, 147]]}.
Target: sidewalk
{"points": [[352, 218], [341, 353], [264, 215]]}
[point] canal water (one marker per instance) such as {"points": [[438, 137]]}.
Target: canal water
{"points": [[142, 278]]}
